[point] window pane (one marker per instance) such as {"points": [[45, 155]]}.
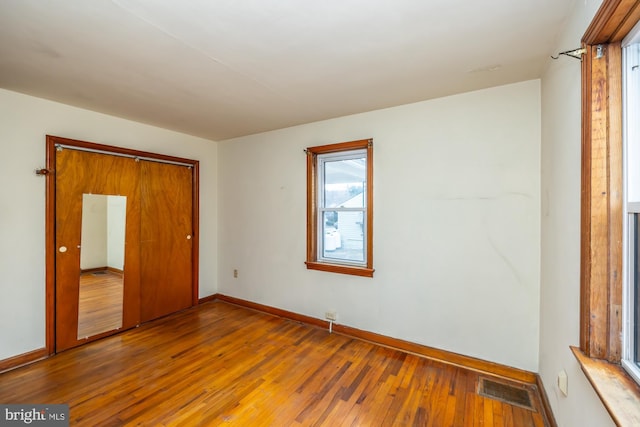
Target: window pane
{"points": [[634, 252], [343, 236], [632, 122], [344, 183], [631, 75]]}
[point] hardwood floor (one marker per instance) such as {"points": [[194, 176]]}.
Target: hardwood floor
{"points": [[100, 302], [222, 364]]}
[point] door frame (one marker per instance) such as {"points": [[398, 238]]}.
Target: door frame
{"points": [[50, 218]]}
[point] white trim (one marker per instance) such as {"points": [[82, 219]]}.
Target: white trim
{"points": [[321, 159], [632, 369], [633, 36], [632, 207], [631, 198]]}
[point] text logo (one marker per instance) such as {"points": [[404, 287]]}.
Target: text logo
{"points": [[36, 415]]}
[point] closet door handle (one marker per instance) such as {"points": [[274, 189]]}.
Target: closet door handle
{"points": [[188, 236]]}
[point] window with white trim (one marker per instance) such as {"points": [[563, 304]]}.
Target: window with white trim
{"points": [[340, 208]]}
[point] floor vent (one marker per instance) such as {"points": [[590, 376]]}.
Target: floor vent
{"points": [[99, 273], [511, 394]]}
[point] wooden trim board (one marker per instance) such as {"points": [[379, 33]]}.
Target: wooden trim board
{"points": [[23, 359], [207, 298], [619, 393], [546, 405]]}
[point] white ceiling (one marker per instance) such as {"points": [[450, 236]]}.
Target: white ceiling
{"points": [[225, 68]]}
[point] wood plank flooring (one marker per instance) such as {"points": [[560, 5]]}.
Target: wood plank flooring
{"points": [[100, 303], [220, 364]]}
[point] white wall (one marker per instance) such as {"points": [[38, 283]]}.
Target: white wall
{"points": [[103, 231], [456, 223], [560, 272], [24, 122], [93, 251], [116, 231]]}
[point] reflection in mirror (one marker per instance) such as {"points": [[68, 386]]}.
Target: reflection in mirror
{"points": [[100, 299]]}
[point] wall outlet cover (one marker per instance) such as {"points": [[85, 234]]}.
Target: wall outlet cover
{"points": [[331, 315]]}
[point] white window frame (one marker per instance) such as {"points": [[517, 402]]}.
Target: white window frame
{"points": [[322, 208], [631, 195]]}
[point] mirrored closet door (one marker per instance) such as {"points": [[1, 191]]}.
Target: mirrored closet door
{"points": [[124, 237]]}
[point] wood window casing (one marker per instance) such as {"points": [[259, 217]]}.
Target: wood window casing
{"points": [[601, 250], [601, 223], [601, 207], [312, 262]]}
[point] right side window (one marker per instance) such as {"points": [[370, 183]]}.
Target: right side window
{"points": [[631, 156]]}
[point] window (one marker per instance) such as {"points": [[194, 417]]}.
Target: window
{"points": [[631, 155], [340, 208]]}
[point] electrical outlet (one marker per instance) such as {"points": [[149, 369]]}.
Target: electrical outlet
{"points": [[563, 382], [331, 315], [235, 273]]}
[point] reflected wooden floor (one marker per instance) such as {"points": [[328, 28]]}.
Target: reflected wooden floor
{"points": [[99, 303], [219, 364]]}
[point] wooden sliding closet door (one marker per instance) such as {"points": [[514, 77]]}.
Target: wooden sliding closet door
{"points": [[166, 239], [79, 173], [121, 236]]}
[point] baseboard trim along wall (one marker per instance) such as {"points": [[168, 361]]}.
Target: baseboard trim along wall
{"points": [[23, 359], [207, 299], [546, 406]]}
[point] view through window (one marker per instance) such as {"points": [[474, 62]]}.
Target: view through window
{"points": [[342, 206]]}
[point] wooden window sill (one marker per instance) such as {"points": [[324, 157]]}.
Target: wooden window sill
{"points": [[617, 390], [343, 269]]}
